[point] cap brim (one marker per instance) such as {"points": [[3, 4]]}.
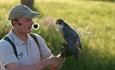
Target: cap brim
{"points": [[34, 14]]}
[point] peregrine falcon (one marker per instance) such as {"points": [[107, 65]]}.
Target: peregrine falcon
{"points": [[72, 40]]}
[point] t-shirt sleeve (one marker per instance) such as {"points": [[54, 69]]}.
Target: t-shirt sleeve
{"points": [[43, 47], [6, 53]]}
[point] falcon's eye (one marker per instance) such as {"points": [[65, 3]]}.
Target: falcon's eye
{"points": [[61, 23], [58, 22]]}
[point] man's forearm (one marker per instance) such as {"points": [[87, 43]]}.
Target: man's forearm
{"points": [[38, 66]]}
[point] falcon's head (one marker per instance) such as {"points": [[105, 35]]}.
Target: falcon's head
{"points": [[60, 24]]}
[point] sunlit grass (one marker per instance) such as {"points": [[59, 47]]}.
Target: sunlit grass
{"points": [[93, 20]]}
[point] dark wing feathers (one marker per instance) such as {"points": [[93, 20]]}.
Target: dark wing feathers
{"points": [[73, 49], [70, 39]]}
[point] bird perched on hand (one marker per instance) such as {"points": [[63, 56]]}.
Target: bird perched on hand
{"points": [[72, 40]]}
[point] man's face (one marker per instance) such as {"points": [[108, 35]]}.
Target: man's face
{"points": [[24, 25]]}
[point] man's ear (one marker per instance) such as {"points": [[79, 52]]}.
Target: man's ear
{"points": [[13, 22]]}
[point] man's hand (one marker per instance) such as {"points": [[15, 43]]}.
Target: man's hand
{"points": [[55, 62]]}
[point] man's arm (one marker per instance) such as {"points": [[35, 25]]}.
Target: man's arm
{"points": [[52, 61], [37, 66]]}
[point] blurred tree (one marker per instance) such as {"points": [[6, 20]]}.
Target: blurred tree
{"points": [[29, 3]]}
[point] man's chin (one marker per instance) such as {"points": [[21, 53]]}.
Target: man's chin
{"points": [[29, 31]]}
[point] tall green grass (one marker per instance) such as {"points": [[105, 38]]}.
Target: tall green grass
{"points": [[93, 20]]}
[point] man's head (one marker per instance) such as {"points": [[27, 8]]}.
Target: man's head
{"points": [[21, 18]]}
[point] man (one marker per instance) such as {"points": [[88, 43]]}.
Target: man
{"points": [[28, 54]]}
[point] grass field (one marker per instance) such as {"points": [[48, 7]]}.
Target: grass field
{"points": [[93, 20]]}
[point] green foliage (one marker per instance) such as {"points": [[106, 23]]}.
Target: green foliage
{"points": [[94, 22]]}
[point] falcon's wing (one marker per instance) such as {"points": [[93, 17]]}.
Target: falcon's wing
{"points": [[74, 50]]}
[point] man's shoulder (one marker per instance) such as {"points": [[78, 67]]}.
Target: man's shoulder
{"points": [[5, 45], [4, 42]]}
